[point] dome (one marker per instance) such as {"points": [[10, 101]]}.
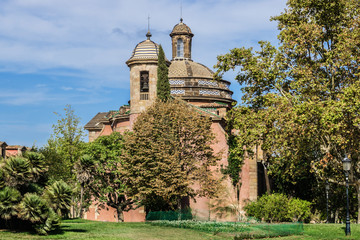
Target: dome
{"points": [[195, 82], [145, 50], [180, 29], [189, 69]]}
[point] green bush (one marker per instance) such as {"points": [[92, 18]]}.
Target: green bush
{"points": [[279, 208], [299, 210]]}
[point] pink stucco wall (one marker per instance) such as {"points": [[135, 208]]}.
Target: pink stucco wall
{"points": [[200, 206]]}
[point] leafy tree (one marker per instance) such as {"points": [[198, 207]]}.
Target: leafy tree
{"points": [[168, 152], [64, 146], [303, 94], [104, 165], [162, 85]]}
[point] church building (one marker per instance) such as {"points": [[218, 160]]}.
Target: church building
{"points": [[192, 82]]}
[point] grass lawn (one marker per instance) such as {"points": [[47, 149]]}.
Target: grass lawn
{"points": [[82, 229]]}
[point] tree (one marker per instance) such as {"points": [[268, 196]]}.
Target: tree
{"points": [[104, 164], [17, 171], [9, 198], [22, 183], [64, 146], [304, 94], [84, 174], [168, 152], [58, 196], [34, 209], [162, 85]]}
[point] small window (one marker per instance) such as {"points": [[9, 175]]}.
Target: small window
{"points": [[180, 48], [144, 81]]}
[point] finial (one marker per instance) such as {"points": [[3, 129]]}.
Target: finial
{"points": [[148, 34], [181, 19]]}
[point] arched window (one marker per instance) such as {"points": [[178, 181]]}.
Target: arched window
{"points": [[144, 81], [180, 48]]}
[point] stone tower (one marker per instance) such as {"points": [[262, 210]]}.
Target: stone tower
{"points": [[143, 75]]}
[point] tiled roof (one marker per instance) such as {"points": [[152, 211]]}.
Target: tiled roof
{"points": [[214, 105], [95, 122], [201, 110], [146, 49], [185, 68], [15, 147]]}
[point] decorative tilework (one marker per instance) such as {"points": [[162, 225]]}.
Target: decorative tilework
{"points": [[208, 92], [209, 83], [177, 91], [177, 82]]}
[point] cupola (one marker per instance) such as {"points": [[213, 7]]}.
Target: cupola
{"points": [[181, 36]]}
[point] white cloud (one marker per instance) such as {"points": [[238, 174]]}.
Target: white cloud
{"points": [[96, 37]]}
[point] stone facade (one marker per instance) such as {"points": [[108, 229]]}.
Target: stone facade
{"points": [[193, 83], [141, 100]]}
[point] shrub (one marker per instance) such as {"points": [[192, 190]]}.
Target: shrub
{"points": [[299, 210], [278, 208]]}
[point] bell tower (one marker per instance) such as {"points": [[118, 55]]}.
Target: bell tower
{"points": [[143, 75], [181, 37]]}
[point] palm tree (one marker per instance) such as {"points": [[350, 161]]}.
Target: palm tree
{"points": [[17, 170], [58, 195], [84, 168], [36, 210], [33, 208], [37, 163], [2, 177], [9, 199]]}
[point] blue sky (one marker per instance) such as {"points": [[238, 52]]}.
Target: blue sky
{"points": [[58, 52]]}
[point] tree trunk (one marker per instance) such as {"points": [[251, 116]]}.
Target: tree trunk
{"points": [[336, 216], [72, 213], [120, 214], [81, 201], [267, 181]]}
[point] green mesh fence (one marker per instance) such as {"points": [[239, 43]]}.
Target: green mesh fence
{"points": [[169, 215], [239, 230]]}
